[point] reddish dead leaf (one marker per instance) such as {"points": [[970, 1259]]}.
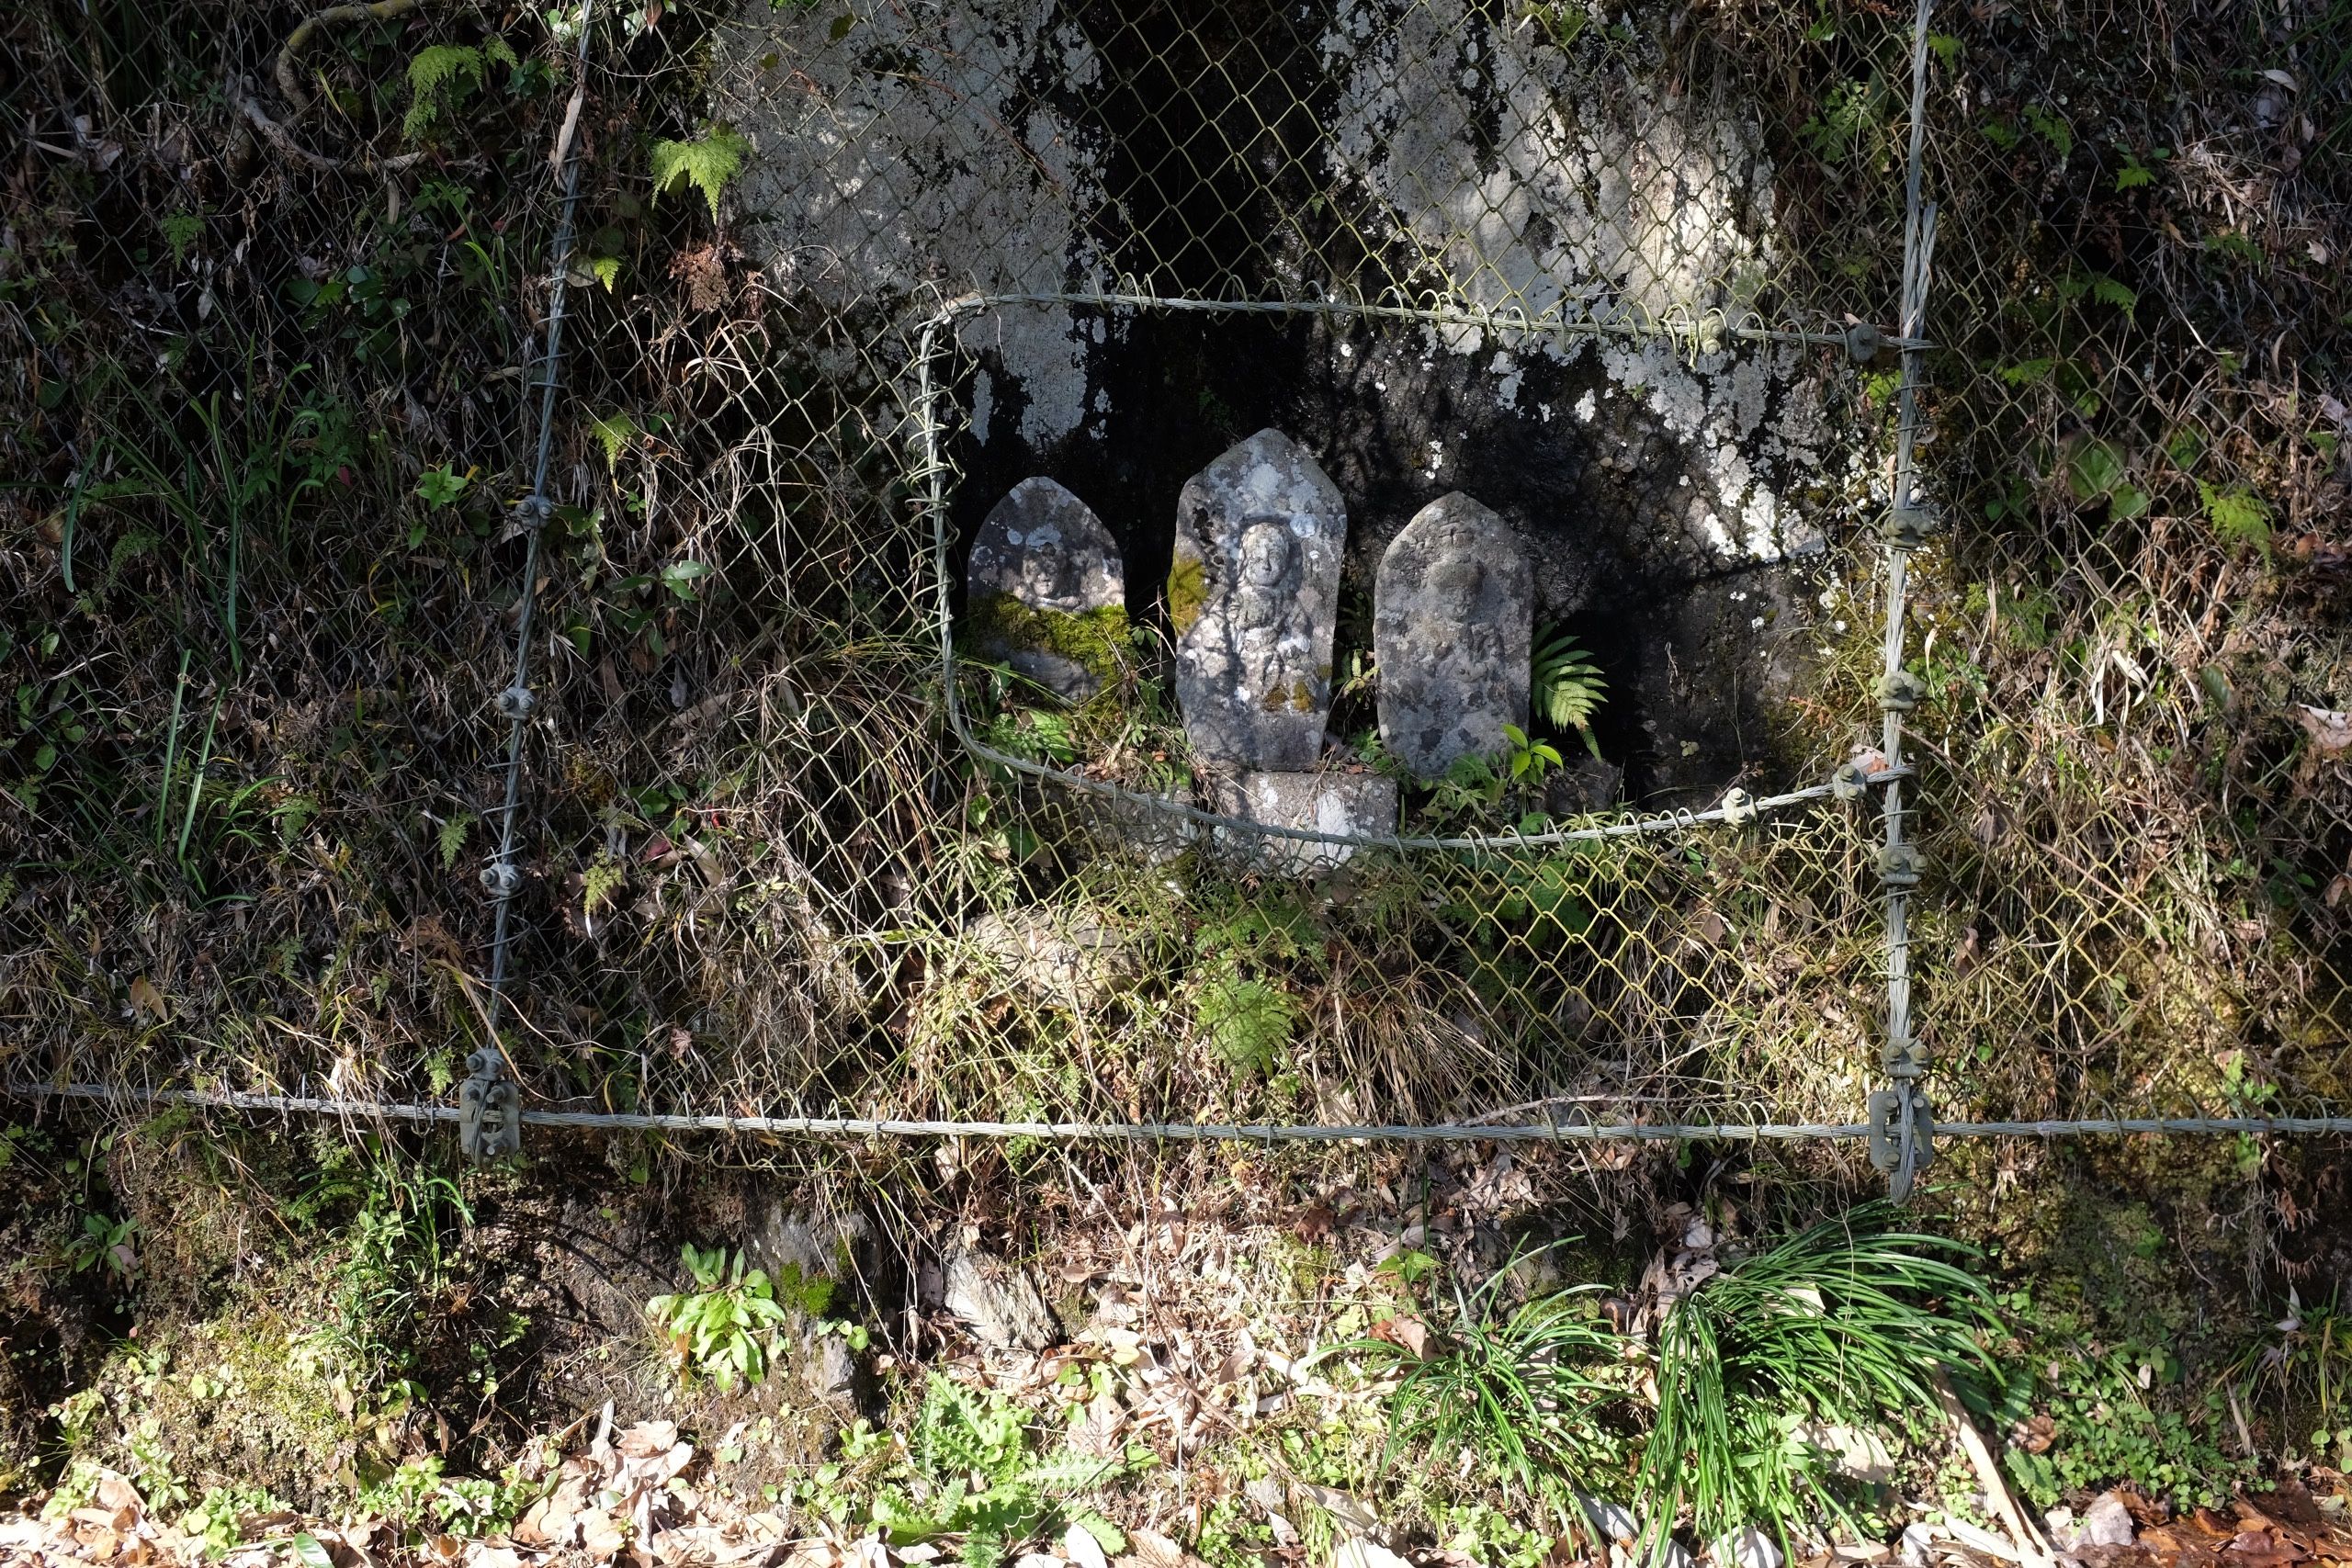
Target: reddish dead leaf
{"points": [[2330, 728], [704, 275], [1315, 1222], [1409, 1334]]}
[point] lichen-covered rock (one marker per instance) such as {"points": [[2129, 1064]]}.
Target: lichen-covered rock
{"points": [[1048, 590], [1356, 805], [1253, 597], [1066, 955], [998, 1302], [1453, 616]]}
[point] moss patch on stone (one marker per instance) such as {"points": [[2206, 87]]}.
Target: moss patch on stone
{"points": [[1188, 593], [1097, 640]]}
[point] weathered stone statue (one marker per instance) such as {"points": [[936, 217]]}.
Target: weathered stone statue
{"points": [[1253, 597], [1453, 616], [1047, 592]]}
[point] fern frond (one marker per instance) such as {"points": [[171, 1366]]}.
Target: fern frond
{"points": [[1568, 687], [614, 433], [705, 164], [434, 68]]}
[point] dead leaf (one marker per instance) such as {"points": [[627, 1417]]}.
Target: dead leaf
{"points": [[2330, 729], [600, 1535], [704, 275], [148, 1002], [1314, 1224], [1409, 1334], [117, 1493], [1152, 1549]]}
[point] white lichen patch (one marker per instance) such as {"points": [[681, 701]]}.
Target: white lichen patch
{"points": [[1569, 185], [904, 159]]}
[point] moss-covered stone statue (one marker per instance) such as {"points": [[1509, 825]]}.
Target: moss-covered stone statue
{"points": [[1047, 592]]}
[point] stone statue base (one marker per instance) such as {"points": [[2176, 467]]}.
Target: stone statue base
{"points": [[1325, 802]]}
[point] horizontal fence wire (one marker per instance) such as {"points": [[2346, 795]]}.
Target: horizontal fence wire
{"points": [[1193, 1132]]}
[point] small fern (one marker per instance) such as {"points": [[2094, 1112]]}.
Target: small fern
{"points": [[613, 433], [442, 76], [1248, 1022], [452, 838], [1568, 687], [2239, 516], [706, 164]]}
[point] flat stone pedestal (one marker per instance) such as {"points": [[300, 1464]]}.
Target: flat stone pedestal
{"points": [[1325, 802]]}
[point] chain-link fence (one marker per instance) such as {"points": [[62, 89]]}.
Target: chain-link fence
{"points": [[843, 273]]}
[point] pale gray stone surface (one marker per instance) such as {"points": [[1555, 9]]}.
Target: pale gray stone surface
{"points": [[1045, 548], [1452, 613], [998, 1302], [1352, 804], [1253, 595]]}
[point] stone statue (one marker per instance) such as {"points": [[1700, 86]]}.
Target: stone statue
{"points": [[1452, 617], [1253, 597], [1047, 592]]}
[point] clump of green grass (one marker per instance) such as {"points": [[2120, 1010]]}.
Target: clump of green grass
{"points": [[1534, 1392], [1847, 1324]]}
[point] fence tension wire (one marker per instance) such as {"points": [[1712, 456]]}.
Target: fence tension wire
{"points": [[1901, 1125], [489, 1115]]}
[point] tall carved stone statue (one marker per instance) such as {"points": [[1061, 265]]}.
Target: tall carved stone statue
{"points": [[1451, 620], [1047, 592], [1253, 597]]}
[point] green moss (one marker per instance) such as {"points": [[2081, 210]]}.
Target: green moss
{"points": [[245, 1399], [1188, 593], [1096, 641]]}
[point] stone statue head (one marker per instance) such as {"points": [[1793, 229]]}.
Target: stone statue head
{"points": [[1268, 556], [1048, 577], [1454, 584]]}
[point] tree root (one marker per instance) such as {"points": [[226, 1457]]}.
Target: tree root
{"points": [[289, 84]]}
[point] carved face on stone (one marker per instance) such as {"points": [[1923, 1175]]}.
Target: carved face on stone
{"points": [[1048, 577], [1268, 574], [1453, 586], [1269, 556]]}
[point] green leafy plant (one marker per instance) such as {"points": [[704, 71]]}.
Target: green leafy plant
{"points": [[2096, 471], [441, 77], [1248, 1022], [725, 1327], [219, 1520], [1568, 687], [975, 1474], [2238, 515], [107, 1242], [1531, 1391], [394, 1264], [708, 162], [1847, 1324], [441, 486], [1530, 759], [2118, 1409]]}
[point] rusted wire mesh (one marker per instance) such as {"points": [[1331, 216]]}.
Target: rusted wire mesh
{"points": [[1598, 267]]}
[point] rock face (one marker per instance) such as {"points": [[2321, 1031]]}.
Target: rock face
{"points": [[998, 1302], [1048, 590], [1253, 597], [1453, 616]]}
